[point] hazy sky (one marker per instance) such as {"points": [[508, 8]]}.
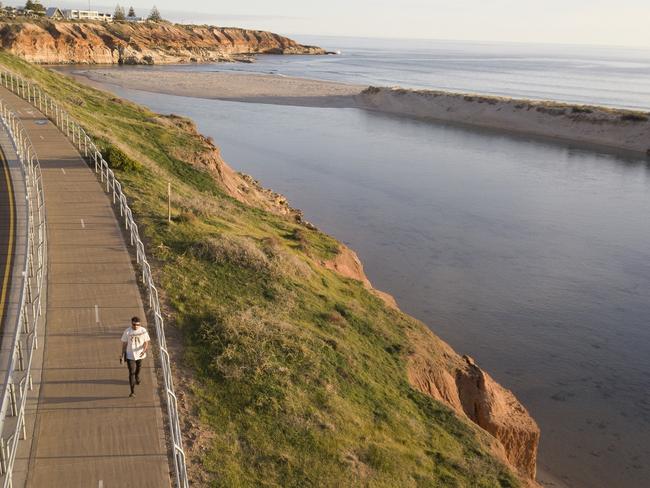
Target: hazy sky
{"points": [[614, 22]]}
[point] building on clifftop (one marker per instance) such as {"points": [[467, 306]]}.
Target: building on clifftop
{"points": [[71, 14], [54, 13]]}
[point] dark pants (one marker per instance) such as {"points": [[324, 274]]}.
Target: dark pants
{"points": [[134, 372]]}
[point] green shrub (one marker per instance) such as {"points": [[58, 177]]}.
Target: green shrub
{"points": [[240, 251], [116, 159]]}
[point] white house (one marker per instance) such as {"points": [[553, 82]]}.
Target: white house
{"points": [[71, 14]]}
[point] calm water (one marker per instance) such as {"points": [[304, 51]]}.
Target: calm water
{"points": [[531, 256], [584, 74]]}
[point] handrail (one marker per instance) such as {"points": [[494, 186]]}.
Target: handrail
{"points": [[30, 312], [87, 148]]}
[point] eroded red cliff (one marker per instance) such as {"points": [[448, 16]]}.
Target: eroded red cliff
{"points": [[133, 43], [435, 369]]}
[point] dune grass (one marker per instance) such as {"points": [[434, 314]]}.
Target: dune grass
{"points": [[298, 374]]}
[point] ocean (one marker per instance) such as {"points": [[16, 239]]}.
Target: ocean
{"points": [[532, 256], [610, 76]]}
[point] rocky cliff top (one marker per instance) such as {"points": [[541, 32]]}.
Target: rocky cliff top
{"points": [[64, 42]]}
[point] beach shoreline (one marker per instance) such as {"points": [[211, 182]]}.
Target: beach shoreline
{"points": [[235, 87], [587, 125]]}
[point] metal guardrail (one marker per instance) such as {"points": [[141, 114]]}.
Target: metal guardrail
{"points": [[78, 136], [24, 331]]}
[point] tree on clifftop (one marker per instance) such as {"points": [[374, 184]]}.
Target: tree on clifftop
{"points": [[131, 12], [154, 16], [34, 6], [119, 13]]}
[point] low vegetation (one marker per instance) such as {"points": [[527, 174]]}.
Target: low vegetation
{"points": [[293, 376], [634, 117]]}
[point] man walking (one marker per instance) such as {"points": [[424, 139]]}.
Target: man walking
{"points": [[135, 342]]}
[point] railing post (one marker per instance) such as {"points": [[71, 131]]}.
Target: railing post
{"points": [[3, 457], [21, 361], [12, 398], [23, 429]]}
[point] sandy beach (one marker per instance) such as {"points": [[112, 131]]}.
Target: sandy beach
{"points": [[586, 125], [240, 87]]}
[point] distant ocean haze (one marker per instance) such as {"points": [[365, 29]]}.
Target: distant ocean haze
{"points": [[529, 255], [600, 75]]}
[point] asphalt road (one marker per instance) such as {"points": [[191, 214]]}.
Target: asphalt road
{"points": [[7, 218]]}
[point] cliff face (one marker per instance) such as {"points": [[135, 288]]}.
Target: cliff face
{"points": [[131, 43], [435, 369], [616, 128]]}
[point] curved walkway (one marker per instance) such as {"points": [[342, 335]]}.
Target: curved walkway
{"points": [[88, 432], [7, 230]]}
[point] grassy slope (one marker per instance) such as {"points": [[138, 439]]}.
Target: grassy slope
{"points": [[298, 374]]}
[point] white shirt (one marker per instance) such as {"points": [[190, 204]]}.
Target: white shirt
{"points": [[135, 340]]}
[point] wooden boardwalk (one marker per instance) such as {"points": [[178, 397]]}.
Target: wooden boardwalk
{"points": [[88, 432]]}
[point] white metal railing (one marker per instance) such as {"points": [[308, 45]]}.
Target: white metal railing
{"points": [[78, 136], [23, 331]]}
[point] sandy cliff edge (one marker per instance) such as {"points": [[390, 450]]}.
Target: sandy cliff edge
{"points": [[614, 128], [435, 369], [461, 384]]}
